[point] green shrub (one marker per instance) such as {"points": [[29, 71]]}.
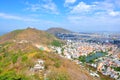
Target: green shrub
{"points": [[57, 64], [5, 54], [24, 58], [82, 59], [116, 68], [39, 55], [1, 70], [0, 58], [62, 51], [14, 58], [56, 43]]}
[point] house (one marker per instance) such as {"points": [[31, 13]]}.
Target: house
{"points": [[100, 65], [39, 65]]}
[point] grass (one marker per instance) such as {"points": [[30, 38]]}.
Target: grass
{"points": [[16, 64]]}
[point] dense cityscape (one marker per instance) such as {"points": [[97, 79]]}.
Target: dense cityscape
{"points": [[100, 54]]}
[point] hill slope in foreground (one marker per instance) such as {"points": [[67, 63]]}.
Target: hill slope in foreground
{"points": [[21, 49]]}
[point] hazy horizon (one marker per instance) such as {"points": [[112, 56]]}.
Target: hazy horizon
{"points": [[7, 31]]}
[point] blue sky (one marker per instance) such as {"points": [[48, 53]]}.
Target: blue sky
{"points": [[76, 15]]}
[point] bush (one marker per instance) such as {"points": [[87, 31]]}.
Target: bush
{"points": [[56, 43], [57, 64], [1, 70], [0, 58], [5, 54], [117, 68], [14, 58], [24, 58], [39, 55], [82, 59], [91, 61]]}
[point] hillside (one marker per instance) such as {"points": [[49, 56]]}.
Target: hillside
{"points": [[57, 30], [30, 34], [19, 58]]}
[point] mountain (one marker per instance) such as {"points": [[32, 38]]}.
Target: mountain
{"points": [[30, 34], [22, 50], [57, 30]]}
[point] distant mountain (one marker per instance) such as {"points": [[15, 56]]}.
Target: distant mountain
{"points": [[57, 30]]}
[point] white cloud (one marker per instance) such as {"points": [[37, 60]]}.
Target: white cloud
{"points": [[105, 8], [13, 17], [81, 8], [103, 14], [70, 1], [3, 15], [114, 13], [33, 7], [92, 22], [47, 6], [50, 7], [22, 21]]}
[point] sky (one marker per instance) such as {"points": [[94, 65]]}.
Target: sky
{"points": [[75, 15]]}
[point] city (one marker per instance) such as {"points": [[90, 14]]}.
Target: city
{"points": [[75, 49]]}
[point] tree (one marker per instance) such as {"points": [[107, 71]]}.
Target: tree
{"points": [[82, 58], [56, 43]]}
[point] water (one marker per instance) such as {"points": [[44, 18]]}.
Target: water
{"points": [[94, 56]]}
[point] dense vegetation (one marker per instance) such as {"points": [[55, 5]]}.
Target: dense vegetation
{"points": [[116, 68], [82, 59], [56, 43]]}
